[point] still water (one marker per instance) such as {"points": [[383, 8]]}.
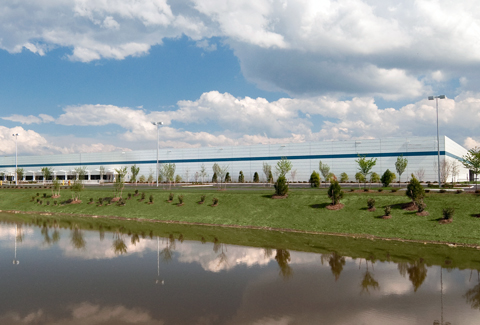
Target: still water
{"points": [[69, 275]]}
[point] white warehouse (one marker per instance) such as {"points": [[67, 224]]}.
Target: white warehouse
{"points": [[421, 153]]}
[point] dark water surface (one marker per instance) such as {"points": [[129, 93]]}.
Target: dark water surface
{"points": [[54, 274]]}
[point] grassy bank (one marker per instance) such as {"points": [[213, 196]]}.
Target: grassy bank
{"points": [[303, 210]]}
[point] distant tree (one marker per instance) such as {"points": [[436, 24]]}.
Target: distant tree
{"points": [[387, 178], [168, 172], [178, 179], [267, 170], [471, 161], [203, 172], [134, 170], [102, 173], [270, 177], [120, 180], [221, 172], [343, 177], [142, 179], [293, 175], [400, 166], [256, 179], [214, 178], [228, 178], [241, 177], [56, 187], [335, 192], [20, 172], [420, 174], [283, 166], [374, 178], [365, 166], [359, 178], [46, 172], [314, 179], [455, 167], [445, 170], [324, 170]]}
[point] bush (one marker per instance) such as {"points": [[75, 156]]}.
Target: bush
{"points": [[55, 202], [380, 189], [215, 201], [442, 191], [48, 202], [371, 203], [256, 178], [44, 195], [427, 191], [421, 206], [129, 196], [448, 213], [388, 210], [415, 190], [214, 178], [352, 190], [281, 186], [100, 201], [387, 178], [394, 190], [365, 189], [375, 178], [314, 179], [170, 197], [136, 192], [241, 178], [459, 191], [477, 191], [343, 177], [180, 199], [91, 200], [335, 192], [143, 195], [150, 198]]}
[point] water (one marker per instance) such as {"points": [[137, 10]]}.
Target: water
{"points": [[55, 275]]}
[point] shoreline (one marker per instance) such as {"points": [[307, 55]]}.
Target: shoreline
{"points": [[287, 230]]}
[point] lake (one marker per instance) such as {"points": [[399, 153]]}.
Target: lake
{"points": [[84, 271]]}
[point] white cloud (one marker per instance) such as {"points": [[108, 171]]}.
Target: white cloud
{"points": [[471, 143], [306, 48], [30, 119]]}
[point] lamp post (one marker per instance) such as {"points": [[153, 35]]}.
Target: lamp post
{"points": [[16, 151], [438, 138], [157, 124]]}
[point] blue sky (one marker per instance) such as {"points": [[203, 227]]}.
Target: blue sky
{"points": [[86, 76]]}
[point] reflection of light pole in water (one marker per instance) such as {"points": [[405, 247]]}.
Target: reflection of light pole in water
{"points": [[441, 301], [158, 281], [15, 261]]}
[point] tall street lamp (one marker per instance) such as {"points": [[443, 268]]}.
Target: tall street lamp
{"points": [[16, 151], [438, 138], [157, 124]]}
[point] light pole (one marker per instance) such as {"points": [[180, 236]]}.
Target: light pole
{"points": [[157, 124], [16, 151], [438, 138]]}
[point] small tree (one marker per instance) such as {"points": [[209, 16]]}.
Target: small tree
{"points": [[420, 174], [400, 166], [168, 172], [142, 179], [267, 170], [178, 179], [324, 169], [343, 177], [314, 179], [241, 177], [365, 166], [281, 186], [359, 178], [335, 192], [102, 172], [472, 161], [20, 172], [256, 179], [374, 178], [56, 187], [293, 175], [134, 170], [415, 190], [270, 177], [283, 166], [120, 181], [228, 178], [387, 178], [214, 178], [203, 172], [46, 172]]}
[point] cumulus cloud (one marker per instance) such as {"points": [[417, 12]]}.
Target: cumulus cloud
{"points": [[305, 48]]}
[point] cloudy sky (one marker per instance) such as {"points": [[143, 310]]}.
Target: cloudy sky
{"points": [[91, 75]]}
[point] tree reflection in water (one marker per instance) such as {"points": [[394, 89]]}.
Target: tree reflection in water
{"points": [[76, 238], [167, 252], [472, 296], [368, 280], [119, 246], [336, 263], [417, 273], [222, 248], [283, 257], [135, 239]]}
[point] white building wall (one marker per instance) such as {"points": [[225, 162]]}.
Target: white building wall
{"points": [[339, 155]]}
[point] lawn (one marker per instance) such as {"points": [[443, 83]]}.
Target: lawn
{"points": [[303, 210]]}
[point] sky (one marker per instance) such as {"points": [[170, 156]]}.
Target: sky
{"points": [[91, 75]]}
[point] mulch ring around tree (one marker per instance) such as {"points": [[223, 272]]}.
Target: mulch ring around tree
{"points": [[201, 202], [337, 206], [410, 206], [214, 205], [75, 202], [445, 221], [476, 215], [115, 199], [386, 217], [180, 204], [372, 209], [279, 196], [423, 213]]}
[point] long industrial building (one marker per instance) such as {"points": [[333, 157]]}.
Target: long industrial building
{"points": [[421, 153]]}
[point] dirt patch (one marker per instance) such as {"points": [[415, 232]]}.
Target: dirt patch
{"points": [[423, 213], [476, 215], [214, 205], [386, 217], [372, 209], [337, 206], [55, 196], [90, 202], [410, 206], [201, 202], [279, 196], [115, 199], [169, 201], [149, 202], [76, 202], [180, 204], [445, 221]]}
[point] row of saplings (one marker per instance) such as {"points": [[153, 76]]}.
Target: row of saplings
{"points": [[119, 200], [415, 192]]}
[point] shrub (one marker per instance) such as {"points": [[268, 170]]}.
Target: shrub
{"points": [[40, 202], [343, 177], [371, 203], [129, 196], [33, 198], [352, 190], [365, 189], [387, 178], [180, 199], [55, 202], [477, 191], [421, 206], [394, 190], [48, 202], [178, 179], [100, 201], [442, 190], [388, 210], [415, 191], [202, 198], [170, 197], [241, 178], [215, 201], [228, 178], [380, 189], [448, 213], [314, 179], [459, 191], [281, 186], [335, 192], [91, 200], [44, 195], [143, 195], [136, 192], [38, 194], [150, 198], [375, 178], [256, 178], [427, 191]]}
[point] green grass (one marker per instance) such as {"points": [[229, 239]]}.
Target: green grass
{"points": [[304, 210]]}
